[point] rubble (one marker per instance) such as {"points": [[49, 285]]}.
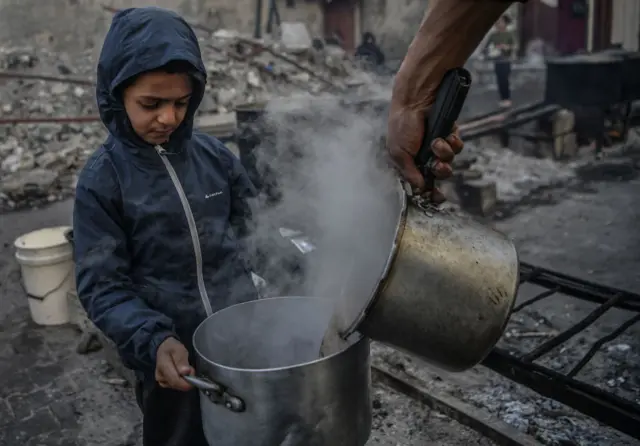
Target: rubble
{"points": [[516, 176], [47, 128]]}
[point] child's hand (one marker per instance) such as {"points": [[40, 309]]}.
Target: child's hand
{"points": [[172, 363]]}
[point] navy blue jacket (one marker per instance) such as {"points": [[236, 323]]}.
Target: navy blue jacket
{"points": [[137, 267]]}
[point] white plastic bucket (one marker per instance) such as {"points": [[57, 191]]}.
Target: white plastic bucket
{"points": [[46, 260]]}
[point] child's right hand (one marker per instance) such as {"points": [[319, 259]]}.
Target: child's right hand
{"points": [[172, 363]]}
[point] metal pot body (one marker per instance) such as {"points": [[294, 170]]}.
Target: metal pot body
{"points": [[262, 383], [585, 80], [630, 72], [448, 291]]}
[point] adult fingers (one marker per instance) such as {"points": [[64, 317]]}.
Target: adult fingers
{"points": [[455, 142], [442, 170], [407, 167], [442, 150]]}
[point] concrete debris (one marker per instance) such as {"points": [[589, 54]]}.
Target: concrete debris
{"points": [[39, 161], [516, 176], [295, 36]]}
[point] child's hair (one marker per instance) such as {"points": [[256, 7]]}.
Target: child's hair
{"points": [[173, 67]]}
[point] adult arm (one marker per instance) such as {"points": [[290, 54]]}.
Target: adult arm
{"points": [[448, 35], [103, 265]]}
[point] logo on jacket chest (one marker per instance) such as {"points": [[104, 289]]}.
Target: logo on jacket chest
{"points": [[211, 195]]}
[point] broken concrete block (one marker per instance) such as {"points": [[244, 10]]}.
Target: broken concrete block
{"points": [[564, 139], [295, 36], [478, 196], [558, 139]]}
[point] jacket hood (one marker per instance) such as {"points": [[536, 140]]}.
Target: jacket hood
{"points": [[141, 40]]}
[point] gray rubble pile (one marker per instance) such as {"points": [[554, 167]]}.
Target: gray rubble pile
{"points": [[243, 70], [33, 98], [38, 161], [516, 176]]}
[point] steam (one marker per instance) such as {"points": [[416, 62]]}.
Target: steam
{"points": [[333, 180]]}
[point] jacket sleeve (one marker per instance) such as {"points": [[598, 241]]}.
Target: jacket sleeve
{"points": [[102, 273]]}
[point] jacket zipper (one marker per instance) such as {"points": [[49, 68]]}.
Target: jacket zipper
{"points": [[197, 250]]}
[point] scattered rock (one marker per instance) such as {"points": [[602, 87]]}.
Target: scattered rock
{"points": [[39, 162]]}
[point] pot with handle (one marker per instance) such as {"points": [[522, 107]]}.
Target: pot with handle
{"points": [[262, 383], [447, 287]]}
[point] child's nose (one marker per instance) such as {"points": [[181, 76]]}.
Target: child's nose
{"points": [[168, 115]]}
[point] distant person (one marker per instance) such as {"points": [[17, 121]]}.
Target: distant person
{"points": [[500, 49], [368, 51], [159, 216]]}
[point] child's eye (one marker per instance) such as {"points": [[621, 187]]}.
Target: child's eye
{"points": [[182, 104], [149, 105]]}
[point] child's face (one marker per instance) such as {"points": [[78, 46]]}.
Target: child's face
{"points": [[156, 104]]}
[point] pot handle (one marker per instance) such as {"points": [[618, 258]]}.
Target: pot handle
{"points": [[216, 393]]}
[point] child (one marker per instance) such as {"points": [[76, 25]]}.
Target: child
{"points": [[500, 47], [159, 213]]}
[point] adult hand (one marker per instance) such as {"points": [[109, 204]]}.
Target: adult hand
{"points": [[171, 363], [404, 136]]}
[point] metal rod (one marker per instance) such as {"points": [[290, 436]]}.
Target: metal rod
{"points": [[600, 342], [578, 288], [46, 77], [529, 275], [535, 299], [571, 332], [493, 127], [257, 30], [512, 112], [605, 407]]}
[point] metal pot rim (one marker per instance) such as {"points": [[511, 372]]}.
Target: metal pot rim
{"points": [[397, 236], [359, 340]]}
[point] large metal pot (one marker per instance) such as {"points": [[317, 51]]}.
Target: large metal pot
{"points": [[585, 80], [445, 293], [262, 383], [630, 72]]}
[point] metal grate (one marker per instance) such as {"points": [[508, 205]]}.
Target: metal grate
{"points": [[610, 409]]}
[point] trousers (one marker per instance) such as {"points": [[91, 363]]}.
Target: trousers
{"points": [[503, 71], [169, 417]]}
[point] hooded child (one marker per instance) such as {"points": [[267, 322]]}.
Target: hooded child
{"points": [[159, 217]]}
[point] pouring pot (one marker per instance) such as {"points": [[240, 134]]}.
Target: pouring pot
{"points": [[262, 383], [446, 290]]}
